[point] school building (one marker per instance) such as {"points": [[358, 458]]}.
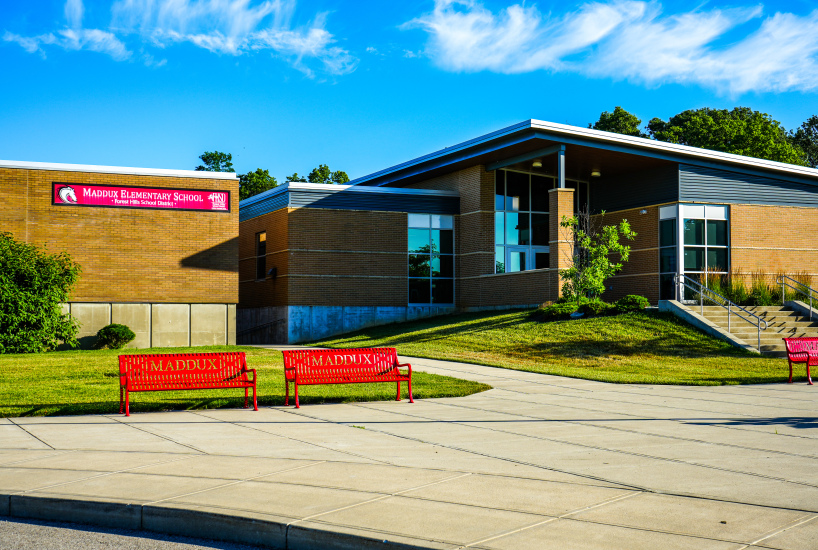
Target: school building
{"points": [[476, 226]]}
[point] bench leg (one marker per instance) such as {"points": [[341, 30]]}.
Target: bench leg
{"points": [[286, 392], [790, 380], [409, 383], [297, 405], [255, 402], [398, 398], [246, 395], [809, 376], [120, 399], [127, 403]]}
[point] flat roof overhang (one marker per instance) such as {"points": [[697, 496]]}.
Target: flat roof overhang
{"points": [[586, 150]]}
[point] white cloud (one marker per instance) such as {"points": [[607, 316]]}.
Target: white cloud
{"points": [[630, 39], [229, 27]]}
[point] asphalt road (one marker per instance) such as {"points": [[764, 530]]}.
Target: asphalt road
{"points": [[27, 535]]}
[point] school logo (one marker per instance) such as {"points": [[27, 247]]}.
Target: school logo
{"points": [[218, 199], [67, 195]]}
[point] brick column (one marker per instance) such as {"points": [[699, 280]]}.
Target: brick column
{"points": [[560, 203]]}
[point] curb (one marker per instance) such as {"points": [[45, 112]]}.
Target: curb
{"points": [[200, 524]]}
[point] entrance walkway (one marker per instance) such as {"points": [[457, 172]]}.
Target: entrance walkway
{"points": [[538, 462]]}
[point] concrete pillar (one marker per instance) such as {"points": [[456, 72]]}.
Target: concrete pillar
{"points": [[560, 204]]}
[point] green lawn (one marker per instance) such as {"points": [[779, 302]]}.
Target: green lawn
{"points": [[87, 382], [650, 348]]}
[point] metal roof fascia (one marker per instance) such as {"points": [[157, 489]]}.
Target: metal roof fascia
{"points": [[125, 170], [522, 158], [507, 131], [321, 187], [278, 189]]}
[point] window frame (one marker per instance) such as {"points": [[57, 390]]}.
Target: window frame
{"points": [[431, 255]]}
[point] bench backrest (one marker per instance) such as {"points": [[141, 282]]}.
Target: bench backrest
{"points": [[171, 369], [343, 363], [801, 345]]}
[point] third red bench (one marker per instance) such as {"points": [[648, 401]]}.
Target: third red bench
{"points": [[343, 366]]}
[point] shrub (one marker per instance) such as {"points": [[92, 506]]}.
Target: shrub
{"points": [[114, 336], [595, 307], [556, 311], [631, 302], [33, 284]]}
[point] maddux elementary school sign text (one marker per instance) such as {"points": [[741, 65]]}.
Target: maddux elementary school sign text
{"points": [[113, 196]]}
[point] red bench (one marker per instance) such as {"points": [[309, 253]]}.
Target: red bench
{"points": [[343, 366], [802, 350], [184, 371]]}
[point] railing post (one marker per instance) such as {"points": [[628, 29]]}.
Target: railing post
{"points": [[728, 317]]}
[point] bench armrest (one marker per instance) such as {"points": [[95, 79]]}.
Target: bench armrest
{"points": [[407, 365]]}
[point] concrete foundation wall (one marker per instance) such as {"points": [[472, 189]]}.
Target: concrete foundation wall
{"points": [[158, 325]]}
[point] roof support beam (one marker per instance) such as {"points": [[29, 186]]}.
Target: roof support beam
{"points": [[561, 168], [527, 156]]}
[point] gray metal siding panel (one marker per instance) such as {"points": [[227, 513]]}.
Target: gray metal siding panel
{"points": [[346, 200], [263, 207], [699, 184], [646, 188]]}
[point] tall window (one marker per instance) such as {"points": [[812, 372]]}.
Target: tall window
{"points": [[521, 221], [261, 256], [431, 259], [704, 242]]}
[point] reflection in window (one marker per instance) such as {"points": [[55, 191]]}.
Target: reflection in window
{"points": [[431, 259], [521, 230]]}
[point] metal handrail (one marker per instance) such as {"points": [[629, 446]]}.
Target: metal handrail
{"points": [[728, 305], [808, 292]]}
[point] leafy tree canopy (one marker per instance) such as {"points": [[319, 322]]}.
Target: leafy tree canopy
{"points": [[253, 183], [619, 121], [741, 131], [216, 161], [296, 177], [806, 139], [322, 174], [33, 284]]}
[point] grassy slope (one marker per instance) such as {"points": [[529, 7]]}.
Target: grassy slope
{"points": [[87, 382], [645, 347]]}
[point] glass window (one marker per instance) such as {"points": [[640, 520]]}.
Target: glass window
{"points": [[694, 232], [539, 229], [666, 287], [667, 233], [517, 191], [419, 240], [542, 260], [431, 259], [717, 259], [261, 255], [716, 232], [667, 259], [694, 259], [499, 228], [539, 193], [517, 230], [500, 259], [500, 190]]}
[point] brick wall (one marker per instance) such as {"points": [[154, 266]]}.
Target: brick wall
{"points": [[129, 254], [271, 291], [773, 239], [640, 274]]}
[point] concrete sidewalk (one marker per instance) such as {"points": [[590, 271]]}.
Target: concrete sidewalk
{"points": [[538, 462]]}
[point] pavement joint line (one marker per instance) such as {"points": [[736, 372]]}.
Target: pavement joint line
{"points": [[103, 474], [669, 419], [240, 425], [619, 451], [234, 482], [52, 455], [133, 425], [790, 525], [589, 423], [32, 435], [555, 518]]}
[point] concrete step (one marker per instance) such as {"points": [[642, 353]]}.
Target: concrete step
{"points": [[754, 309], [739, 324], [780, 315]]}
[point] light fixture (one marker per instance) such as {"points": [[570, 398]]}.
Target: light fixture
{"points": [[595, 173], [537, 164], [643, 211]]}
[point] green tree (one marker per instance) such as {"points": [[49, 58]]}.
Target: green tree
{"points": [[323, 174], [296, 177], [215, 161], [619, 121], [253, 183], [741, 131], [592, 260], [33, 284], [806, 139]]}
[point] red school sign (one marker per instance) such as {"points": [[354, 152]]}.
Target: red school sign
{"points": [[114, 196]]}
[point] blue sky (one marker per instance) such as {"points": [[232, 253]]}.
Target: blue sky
{"points": [[286, 85]]}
